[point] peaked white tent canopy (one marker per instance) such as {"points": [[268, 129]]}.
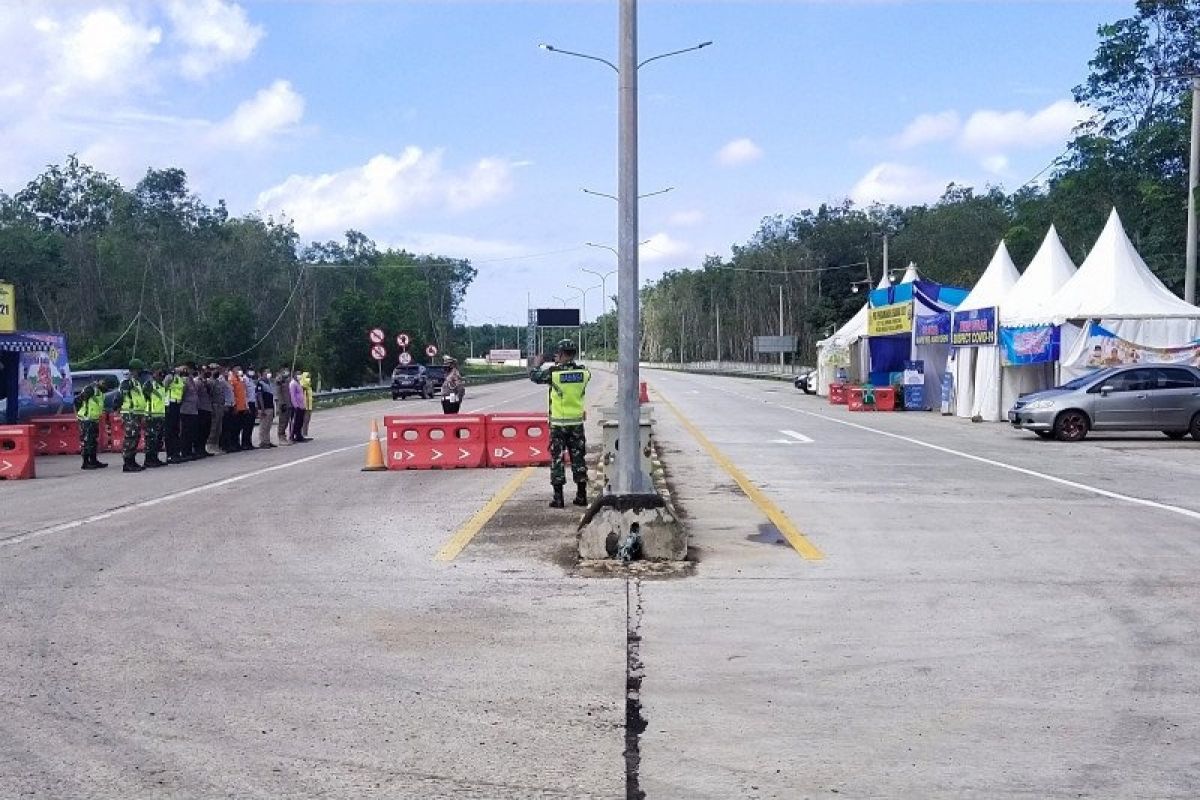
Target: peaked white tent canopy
{"points": [[977, 369], [1048, 272], [834, 349]]}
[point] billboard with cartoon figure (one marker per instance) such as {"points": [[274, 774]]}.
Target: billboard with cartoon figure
{"points": [[44, 383]]}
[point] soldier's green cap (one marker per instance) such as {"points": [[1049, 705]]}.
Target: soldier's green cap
{"points": [[566, 346], [158, 366], [136, 365]]}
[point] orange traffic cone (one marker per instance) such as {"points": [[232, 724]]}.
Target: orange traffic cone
{"points": [[643, 394], [374, 452]]}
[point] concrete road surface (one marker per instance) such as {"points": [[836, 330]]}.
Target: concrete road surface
{"points": [[885, 605]]}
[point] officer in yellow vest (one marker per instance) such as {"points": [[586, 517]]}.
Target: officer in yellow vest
{"points": [[134, 406], [89, 408], [175, 385], [568, 383], [156, 415]]}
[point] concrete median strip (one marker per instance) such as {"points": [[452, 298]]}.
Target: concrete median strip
{"points": [[799, 542]]}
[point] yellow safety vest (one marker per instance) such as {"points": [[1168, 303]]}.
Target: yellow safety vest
{"points": [[158, 400], [93, 408], [175, 389], [567, 389], [133, 399]]}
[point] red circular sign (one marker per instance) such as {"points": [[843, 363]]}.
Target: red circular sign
{"points": [[378, 352], [403, 340], [406, 358], [431, 350], [376, 335]]}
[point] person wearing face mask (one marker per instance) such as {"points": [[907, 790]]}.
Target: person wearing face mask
{"points": [[249, 416], [189, 415], [238, 411], [283, 405], [265, 397]]}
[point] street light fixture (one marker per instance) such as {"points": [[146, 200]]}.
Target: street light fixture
{"points": [[583, 322], [603, 299], [586, 190], [628, 478]]}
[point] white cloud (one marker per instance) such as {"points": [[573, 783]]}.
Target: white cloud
{"points": [[738, 152], [685, 219], [270, 111], [384, 188], [990, 132], [898, 183], [928, 128], [661, 247], [214, 33], [103, 50], [997, 165]]}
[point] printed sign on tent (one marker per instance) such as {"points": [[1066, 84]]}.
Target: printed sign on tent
{"points": [[932, 329], [1033, 344], [890, 319], [8, 312], [1106, 349], [973, 328]]}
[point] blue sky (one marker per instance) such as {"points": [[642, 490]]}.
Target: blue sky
{"points": [[443, 128]]}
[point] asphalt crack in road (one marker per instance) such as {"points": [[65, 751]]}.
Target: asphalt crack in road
{"points": [[635, 722]]}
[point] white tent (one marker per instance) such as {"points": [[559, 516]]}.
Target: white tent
{"points": [[839, 349], [1048, 272], [977, 369], [1115, 287]]}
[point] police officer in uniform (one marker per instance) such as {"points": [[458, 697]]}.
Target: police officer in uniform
{"points": [[133, 414], [568, 383], [89, 410], [156, 416]]}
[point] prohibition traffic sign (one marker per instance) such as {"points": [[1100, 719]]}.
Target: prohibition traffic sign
{"points": [[403, 340], [378, 352], [376, 335], [406, 358], [431, 351]]}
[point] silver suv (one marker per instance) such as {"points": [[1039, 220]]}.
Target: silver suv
{"points": [[1154, 397]]}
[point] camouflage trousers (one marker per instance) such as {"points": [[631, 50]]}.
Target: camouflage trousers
{"points": [[156, 428], [571, 439], [132, 423], [89, 436]]}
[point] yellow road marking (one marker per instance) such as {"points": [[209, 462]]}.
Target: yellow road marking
{"points": [[798, 541], [466, 533]]}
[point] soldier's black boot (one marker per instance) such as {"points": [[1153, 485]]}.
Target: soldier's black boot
{"points": [[98, 464], [131, 465], [558, 502], [580, 494], [87, 464], [154, 462]]}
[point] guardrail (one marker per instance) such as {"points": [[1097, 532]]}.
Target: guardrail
{"points": [[382, 389], [739, 368]]}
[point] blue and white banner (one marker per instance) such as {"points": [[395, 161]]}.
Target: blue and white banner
{"points": [[932, 329], [973, 328], [1032, 344]]}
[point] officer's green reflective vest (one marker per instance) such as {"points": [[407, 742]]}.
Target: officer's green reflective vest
{"points": [[158, 400], [93, 408], [567, 388], [133, 399], [175, 390]]}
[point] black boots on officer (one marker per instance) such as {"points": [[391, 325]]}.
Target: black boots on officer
{"points": [[580, 496]]}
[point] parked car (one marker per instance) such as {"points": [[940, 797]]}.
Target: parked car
{"points": [[437, 375], [411, 379], [1158, 397], [110, 378], [806, 380]]}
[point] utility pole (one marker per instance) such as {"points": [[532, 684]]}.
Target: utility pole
{"points": [[781, 326], [885, 261], [681, 322], [1189, 279], [718, 334]]}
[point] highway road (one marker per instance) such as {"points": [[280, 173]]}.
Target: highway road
{"points": [[884, 605]]}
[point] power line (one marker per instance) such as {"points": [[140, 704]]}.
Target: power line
{"points": [[110, 348]]}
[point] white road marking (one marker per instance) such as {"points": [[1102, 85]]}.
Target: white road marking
{"points": [[154, 501], [799, 437], [1083, 487]]}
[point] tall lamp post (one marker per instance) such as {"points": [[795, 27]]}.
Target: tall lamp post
{"points": [[1189, 276], [603, 299], [629, 478], [583, 323]]}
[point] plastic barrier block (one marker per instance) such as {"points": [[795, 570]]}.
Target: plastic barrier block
{"points": [[115, 442], [448, 441], [837, 394], [56, 436], [518, 440], [855, 401], [17, 452], [885, 399]]}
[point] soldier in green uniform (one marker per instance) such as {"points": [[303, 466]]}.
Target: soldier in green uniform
{"points": [[133, 414], [568, 383], [156, 415], [89, 410]]}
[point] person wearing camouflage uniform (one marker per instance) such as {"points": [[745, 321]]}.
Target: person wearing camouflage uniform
{"points": [[133, 413], [156, 416], [568, 383], [90, 409]]}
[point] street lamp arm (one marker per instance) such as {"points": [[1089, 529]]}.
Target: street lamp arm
{"points": [[700, 46], [640, 196], [552, 49], [598, 194]]}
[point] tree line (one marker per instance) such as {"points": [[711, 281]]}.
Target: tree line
{"points": [[154, 272], [1133, 155]]}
